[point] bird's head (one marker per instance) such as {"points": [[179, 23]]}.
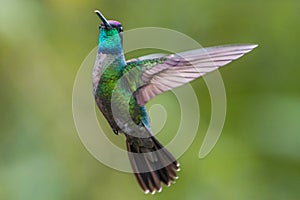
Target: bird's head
{"points": [[111, 34]]}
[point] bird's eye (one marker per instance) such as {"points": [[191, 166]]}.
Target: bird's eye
{"points": [[120, 29]]}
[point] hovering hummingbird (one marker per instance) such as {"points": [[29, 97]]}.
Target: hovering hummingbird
{"points": [[122, 88]]}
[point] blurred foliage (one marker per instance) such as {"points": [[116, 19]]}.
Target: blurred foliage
{"points": [[42, 44]]}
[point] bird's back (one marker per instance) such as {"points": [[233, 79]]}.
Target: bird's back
{"points": [[114, 95]]}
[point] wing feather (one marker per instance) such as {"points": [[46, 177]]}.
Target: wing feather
{"points": [[160, 73]]}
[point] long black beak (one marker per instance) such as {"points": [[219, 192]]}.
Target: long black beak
{"points": [[105, 22]]}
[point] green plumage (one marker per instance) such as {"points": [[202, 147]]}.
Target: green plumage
{"points": [[128, 77]]}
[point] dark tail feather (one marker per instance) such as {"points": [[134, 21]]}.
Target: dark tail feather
{"points": [[151, 163]]}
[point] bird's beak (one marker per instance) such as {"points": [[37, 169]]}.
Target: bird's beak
{"points": [[105, 22]]}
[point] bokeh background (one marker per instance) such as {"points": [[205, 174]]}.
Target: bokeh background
{"points": [[42, 44]]}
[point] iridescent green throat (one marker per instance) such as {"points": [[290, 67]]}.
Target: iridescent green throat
{"points": [[110, 42]]}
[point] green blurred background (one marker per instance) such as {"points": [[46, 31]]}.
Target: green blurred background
{"points": [[42, 44]]}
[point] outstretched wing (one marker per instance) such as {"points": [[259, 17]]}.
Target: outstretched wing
{"points": [[159, 73]]}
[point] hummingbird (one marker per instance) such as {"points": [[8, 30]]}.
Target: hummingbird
{"points": [[122, 88]]}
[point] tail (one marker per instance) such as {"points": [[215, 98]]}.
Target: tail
{"points": [[151, 163]]}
